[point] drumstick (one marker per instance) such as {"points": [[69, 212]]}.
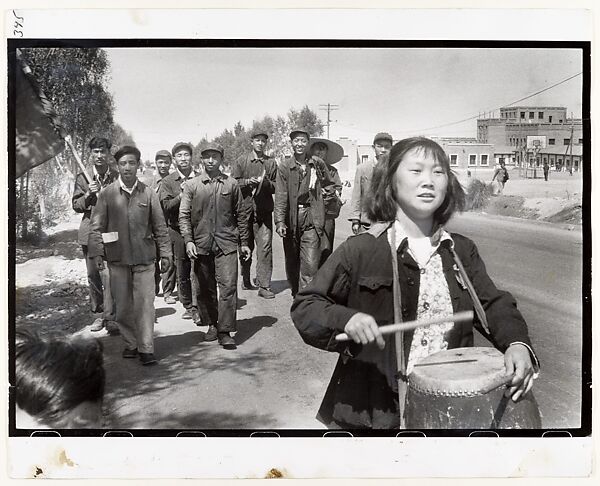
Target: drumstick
{"points": [[407, 326]]}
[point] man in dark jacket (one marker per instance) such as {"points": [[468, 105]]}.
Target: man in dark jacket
{"points": [[382, 143], [255, 173], [84, 199], [300, 212], [170, 198], [163, 162], [126, 223], [213, 218]]}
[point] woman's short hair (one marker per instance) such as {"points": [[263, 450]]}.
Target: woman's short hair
{"points": [[53, 376], [382, 204]]}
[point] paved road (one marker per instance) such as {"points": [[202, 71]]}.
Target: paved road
{"points": [[273, 380]]}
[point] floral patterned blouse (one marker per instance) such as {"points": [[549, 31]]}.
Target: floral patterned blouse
{"points": [[434, 298]]}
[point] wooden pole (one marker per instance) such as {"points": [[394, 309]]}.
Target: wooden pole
{"points": [[77, 158]]}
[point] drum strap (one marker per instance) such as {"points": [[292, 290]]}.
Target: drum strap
{"points": [[467, 281], [398, 336]]}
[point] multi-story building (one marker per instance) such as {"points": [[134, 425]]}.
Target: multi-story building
{"points": [[508, 134]]}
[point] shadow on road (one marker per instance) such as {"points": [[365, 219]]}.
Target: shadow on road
{"points": [[241, 302], [278, 286], [246, 328], [195, 421], [164, 311]]}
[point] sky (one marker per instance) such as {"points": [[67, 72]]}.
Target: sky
{"points": [[182, 94]]}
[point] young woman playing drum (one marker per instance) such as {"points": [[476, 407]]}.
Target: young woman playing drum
{"points": [[430, 273]]}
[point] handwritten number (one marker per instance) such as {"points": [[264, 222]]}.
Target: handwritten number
{"points": [[18, 24]]}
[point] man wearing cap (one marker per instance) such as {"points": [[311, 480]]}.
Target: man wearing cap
{"points": [[84, 199], [382, 143], [299, 211], [213, 218], [255, 173], [170, 198], [126, 222], [330, 153], [163, 161]]}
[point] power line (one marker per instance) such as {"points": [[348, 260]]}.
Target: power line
{"points": [[329, 108], [475, 117]]}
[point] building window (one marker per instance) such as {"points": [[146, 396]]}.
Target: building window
{"points": [[453, 159], [472, 159], [541, 115], [522, 115], [566, 141], [531, 115], [550, 119], [551, 141], [365, 158], [484, 159]]}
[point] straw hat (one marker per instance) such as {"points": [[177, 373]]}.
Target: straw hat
{"points": [[335, 152]]}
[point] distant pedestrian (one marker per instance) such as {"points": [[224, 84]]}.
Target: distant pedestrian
{"points": [[59, 382], [255, 173], [382, 143], [546, 170], [213, 218], [163, 162], [300, 212], [170, 199], [330, 153], [84, 199], [126, 222], [500, 176]]}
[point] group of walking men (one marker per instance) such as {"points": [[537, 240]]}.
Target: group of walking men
{"points": [[191, 226]]}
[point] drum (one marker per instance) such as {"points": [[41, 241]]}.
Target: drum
{"points": [[463, 388]]}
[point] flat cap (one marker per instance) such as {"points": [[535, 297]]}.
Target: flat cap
{"points": [[258, 133], [214, 147], [127, 149], [162, 154], [383, 136], [179, 145], [294, 133]]}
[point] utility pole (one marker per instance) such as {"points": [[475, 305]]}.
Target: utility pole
{"points": [[329, 108]]}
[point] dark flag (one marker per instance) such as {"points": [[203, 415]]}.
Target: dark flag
{"points": [[38, 131]]}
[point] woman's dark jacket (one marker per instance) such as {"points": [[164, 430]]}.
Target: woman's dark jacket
{"points": [[358, 278]]}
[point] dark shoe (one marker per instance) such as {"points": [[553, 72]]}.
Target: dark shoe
{"points": [[211, 334], [97, 325], [197, 318], [130, 353], [112, 328], [147, 359], [169, 299], [226, 341], [266, 293], [247, 285], [187, 314]]}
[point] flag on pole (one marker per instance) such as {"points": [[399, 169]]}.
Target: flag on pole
{"points": [[39, 134]]}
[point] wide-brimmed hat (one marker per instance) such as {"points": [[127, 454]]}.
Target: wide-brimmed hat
{"points": [[179, 145], [214, 147], [335, 152]]}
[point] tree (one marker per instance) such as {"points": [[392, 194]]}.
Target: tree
{"points": [[305, 119], [74, 81], [119, 136]]}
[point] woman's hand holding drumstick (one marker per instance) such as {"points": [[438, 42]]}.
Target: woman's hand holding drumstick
{"points": [[363, 329]]}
